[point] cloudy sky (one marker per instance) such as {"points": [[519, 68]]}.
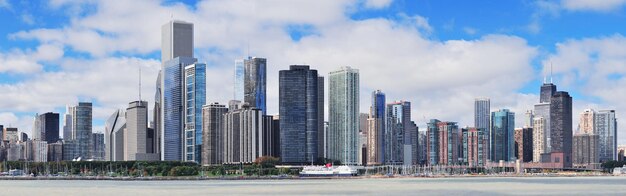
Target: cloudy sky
{"points": [[438, 54]]}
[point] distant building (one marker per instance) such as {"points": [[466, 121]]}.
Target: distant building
{"points": [[299, 96], [449, 143], [68, 124], [397, 132], [376, 129], [585, 151], [271, 136], [70, 150], [23, 137], [528, 118], [343, 107], [115, 126], [10, 134], [482, 107], [524, 144], [606, 129], [243, 135], [432, 142], [475, 146], [46, 127], [55, 151], [539, 138], [38, 150], [82, 128], [97, 140], [16, 152], [586, 123], [561, 126], [212, 130], [195, 98], [255, 73], [502, 136], [135, 142]]}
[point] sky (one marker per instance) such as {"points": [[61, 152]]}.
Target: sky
{"points": [[438, 54]]}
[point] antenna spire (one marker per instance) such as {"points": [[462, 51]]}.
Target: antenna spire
{"points": [[550, 72], [140, 83]]}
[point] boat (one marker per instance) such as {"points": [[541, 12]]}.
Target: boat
{"points": [[327, 171]]}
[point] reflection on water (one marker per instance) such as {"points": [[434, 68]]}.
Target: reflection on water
{"points": [[397, 186]]}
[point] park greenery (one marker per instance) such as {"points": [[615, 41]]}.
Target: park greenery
{"points": [[263, 166]]}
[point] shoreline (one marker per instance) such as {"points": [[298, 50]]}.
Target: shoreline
{"points": [[242, 178]]}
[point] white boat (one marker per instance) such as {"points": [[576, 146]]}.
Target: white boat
{"points": [[324, 171]]}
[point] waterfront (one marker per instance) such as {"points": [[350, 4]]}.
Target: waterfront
{"points": [[382, 186]]}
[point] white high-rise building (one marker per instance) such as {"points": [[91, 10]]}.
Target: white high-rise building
{"points": [[482, 113], [343, 136], [176, 40]]}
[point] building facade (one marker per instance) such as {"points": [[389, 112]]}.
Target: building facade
{"points": [[299, 114], [212, 133], [82, 128], [343, 136], [449, 143], [606, 129], [115, 126], [585, 151], [524, 144], [501, 136], [482, 107], [376, 129], [539, 138], [97, 140], [561, 126], [397, 133], [195, 98], [475, 146], [255, 72], [243, 135]]}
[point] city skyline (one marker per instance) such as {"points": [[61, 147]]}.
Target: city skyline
{"points": [[26, 51]]}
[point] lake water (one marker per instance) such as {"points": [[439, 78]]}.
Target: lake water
{"points": [[389, 187]]}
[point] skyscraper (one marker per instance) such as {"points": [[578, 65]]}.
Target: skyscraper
{"points": [[67, 124], [528, 118], [212, 133], [49, 123], [299, 114], [585, 151], [397, 132], [173, 108], [432, 142], [239, 87], [375, 129], [320, 117], [606, 129], [243, 135], [547, 90], [82, 124], [542, 110], [539, 138], [136, 135], [97, 140], [449, 143], [343, 115], [255, 72], [195, 98], [176, 40], [561, 126], [481, 113], [176, 54], [157, 118], [115, 126], [501, 136]]}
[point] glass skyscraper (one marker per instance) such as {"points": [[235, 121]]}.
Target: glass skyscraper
{"points": [[299, 96], [343, 136], [501, 136], [82, 121], [254, 82], [173, 108], [195, 98], [238, 91]]}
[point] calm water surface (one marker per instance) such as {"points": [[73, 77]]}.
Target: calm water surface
{"points": [[396, 186]]}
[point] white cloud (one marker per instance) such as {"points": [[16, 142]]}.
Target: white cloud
{"points": [[593, 5], [18, 62], [377, 4], [28, 19]]}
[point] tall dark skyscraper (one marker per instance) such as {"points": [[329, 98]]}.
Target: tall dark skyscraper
{"points": [[50, 127], [254, 82], [320, 117], [432, 142], [299, 119], [561, 125], [397, 133], [212, 133]]}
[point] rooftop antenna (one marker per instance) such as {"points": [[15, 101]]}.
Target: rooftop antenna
{"points": [[140, 83], [550, 72]]}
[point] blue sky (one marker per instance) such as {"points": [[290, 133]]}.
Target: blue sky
{"points": [[438, 54]]}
